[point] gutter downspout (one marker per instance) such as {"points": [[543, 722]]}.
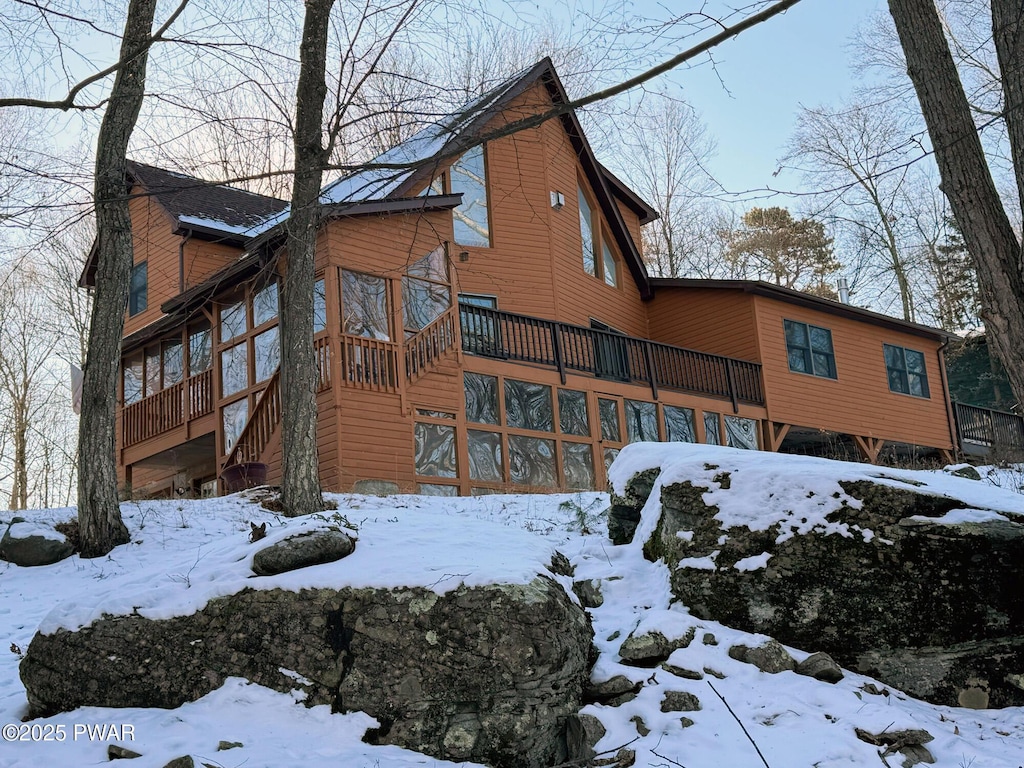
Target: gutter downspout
{"points": [[181, 260]]}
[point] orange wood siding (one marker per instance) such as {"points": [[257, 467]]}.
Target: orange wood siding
{"points": [[716, 321], [154, 244], [535, 262], [632, 223], [859, 401], [203, 259], [376, 439]]}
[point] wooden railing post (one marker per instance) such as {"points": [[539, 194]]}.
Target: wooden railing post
{"points": [[556, 349], [651, 375], [732, 385]]}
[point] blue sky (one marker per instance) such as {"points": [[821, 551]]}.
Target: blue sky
{"points": [[798, 58]]}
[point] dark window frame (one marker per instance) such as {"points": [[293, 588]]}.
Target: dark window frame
{"points": [[903, 373], [808, 351], [138, 290]]}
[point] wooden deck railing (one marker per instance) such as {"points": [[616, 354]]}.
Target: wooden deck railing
{"points": [[369, 363], [167, 409], [261, 425], [266, 416], [989, 428], [507, 336], [425, 348]]}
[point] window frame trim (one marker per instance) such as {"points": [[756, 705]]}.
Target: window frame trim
{"points": [[810, 349]]}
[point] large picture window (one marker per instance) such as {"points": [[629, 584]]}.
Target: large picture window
{"points": [[364, 310], [906, 371], [426, 294], [470, 219], [809, 349]]}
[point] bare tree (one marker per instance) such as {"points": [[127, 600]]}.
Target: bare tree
{"points": [[667, 150], [967, 178], [850, 154], [99, 515]]}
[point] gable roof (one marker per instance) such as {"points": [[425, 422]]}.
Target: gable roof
{"points": [[201, 208], [404, 169], [198, 204], [788, 295]]}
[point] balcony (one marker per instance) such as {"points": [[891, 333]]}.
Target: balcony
{"points": [[519, 338], [169, 408], [984, 430]]}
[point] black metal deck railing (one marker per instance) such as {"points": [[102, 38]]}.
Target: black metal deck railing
{"points": [[989, 428], [508, 336]]}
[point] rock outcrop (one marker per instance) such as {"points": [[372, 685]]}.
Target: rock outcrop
{"points": [[486, 674], [919, 590]]}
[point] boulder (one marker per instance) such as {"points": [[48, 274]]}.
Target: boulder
{"points": [[680, 701], [916, 589], [302, 551], [31, 544], [648, 649], [613, 691], [589, 593], [486, 674], [771, 657], [820, 666], [624, 513]]}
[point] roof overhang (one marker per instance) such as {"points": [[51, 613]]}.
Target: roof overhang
{"points": [[788, 295]]}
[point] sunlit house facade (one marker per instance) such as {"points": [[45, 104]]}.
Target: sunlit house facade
{"points": [[484, 322]]}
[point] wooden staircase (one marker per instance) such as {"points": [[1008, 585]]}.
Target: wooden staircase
{"points": [[365, 364]]}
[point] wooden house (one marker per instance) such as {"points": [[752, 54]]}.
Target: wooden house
{"points": [[484, 322]]}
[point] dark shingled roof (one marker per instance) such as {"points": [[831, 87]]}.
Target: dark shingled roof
{"points": [[185, 196]]}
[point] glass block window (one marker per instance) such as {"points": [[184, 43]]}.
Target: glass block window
{"points": [[267, 349], [174, 363], [470, 220], [319, 306], [609, 412], [741, 433], [233, 418], [906, 371], [573, 418], [232, 321], [132, 379], [435, 450], [200, 354], [481, 398], [234, 369], [641, 421], [265, 305], [578, 464], [138, 284], [809, 349], [364, 305], [528, 406], [430, 489], [587, 233], [712, 431], [679, 427], [485, 456], [532, 461]]}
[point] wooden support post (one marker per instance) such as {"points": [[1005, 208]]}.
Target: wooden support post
{"points": [[869, 447], [775, 433]]}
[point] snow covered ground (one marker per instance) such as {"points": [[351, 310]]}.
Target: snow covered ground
{"points": [[175, 562]]}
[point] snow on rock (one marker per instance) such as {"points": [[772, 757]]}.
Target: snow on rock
{"points": [[878, 567], [794, 720]]}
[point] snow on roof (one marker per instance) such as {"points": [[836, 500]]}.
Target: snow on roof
{"points": [[387, 172]]}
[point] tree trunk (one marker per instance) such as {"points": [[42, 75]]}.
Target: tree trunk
{"points": [[966, 179], [99, 515], [300, 481]]}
